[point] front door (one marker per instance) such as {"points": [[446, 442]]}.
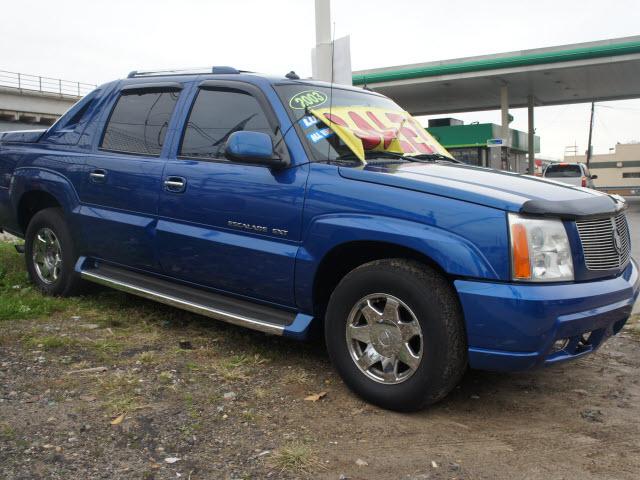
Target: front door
{"points": [[122, 178], [230, 226]]}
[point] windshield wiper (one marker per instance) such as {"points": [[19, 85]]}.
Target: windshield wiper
{"points": [[374, 154], [435, 157], [421, 158]]}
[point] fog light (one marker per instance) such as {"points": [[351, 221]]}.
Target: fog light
{"points": [[560, 345], [585, 339]]}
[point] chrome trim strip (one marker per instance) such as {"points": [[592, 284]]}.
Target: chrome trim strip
{"points": [[228, 317]]}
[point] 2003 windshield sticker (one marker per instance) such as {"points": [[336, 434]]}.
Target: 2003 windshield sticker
{"points": [[307, 99]]}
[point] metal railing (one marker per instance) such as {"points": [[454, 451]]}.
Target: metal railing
{"points": [[35, 83]]}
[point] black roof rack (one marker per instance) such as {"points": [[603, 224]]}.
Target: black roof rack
{"points": [[186, 71]]}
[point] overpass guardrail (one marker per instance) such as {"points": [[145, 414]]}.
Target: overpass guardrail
{"points": [[36, 83]]}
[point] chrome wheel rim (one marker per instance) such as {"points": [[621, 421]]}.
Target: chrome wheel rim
{"points": [[47, 256], [384, 338]]}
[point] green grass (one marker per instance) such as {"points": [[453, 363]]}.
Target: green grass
{"points": [[18, 299], [7, 432], [117, 392], [296, 458]]}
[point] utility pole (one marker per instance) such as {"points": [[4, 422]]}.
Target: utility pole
{"points": [[589, 148]]}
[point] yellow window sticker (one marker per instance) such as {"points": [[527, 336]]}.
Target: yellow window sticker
{"points": [[365, 129]]}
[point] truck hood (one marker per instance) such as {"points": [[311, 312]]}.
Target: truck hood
{"points": [[508, 191]]}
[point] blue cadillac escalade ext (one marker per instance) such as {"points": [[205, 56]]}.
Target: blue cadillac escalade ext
{"points": [[279, 204]]}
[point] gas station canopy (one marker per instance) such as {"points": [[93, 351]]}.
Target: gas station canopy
{"points": [[584, 72]]}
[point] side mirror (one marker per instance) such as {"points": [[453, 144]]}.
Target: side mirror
{"points": [[593, 177], [253, 147]]}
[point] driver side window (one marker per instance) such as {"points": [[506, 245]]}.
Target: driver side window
{"points": [[215, 115]]}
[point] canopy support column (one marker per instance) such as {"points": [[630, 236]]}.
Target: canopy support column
{"points": [[531, 139], [504, 110]]}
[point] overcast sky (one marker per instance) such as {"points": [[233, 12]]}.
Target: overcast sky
{"points": [[97, 41]]}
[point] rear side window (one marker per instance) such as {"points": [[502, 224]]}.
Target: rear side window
{"points": [[563, 171], [139, 122], [215, 115]]}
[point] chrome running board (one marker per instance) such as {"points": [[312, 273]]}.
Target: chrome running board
{"points": [[231, 310]]}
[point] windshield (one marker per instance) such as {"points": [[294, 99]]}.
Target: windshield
{"points": [[563, 171], [340, 124]]}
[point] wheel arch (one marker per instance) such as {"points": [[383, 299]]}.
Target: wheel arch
{"points": [[34, 189], [32, 202], [335, 244], [345, 257]]}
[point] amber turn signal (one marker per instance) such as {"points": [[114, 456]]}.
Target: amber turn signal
{"points": [[521, 263]]}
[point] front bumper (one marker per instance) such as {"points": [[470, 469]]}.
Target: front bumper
{"points": [[514, 327]]}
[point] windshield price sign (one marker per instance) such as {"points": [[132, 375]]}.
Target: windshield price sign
{"points": [[364, 128]]}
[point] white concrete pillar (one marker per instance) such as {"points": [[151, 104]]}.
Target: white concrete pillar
{"points": [[323, 21], [321, 62]]}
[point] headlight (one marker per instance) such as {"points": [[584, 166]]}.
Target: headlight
{"points": [[540, 250]]}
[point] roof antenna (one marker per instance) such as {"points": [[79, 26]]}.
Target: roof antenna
{"points": [[292, 75]]}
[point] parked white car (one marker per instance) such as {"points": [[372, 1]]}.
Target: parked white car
{"points": [[571, 173]]}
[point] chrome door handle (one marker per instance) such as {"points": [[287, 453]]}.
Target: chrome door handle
{"points": [[98, 176], [175, 184]]}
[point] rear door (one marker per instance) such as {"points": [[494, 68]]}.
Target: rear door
{"points": [[230, 226], [122, 178]]}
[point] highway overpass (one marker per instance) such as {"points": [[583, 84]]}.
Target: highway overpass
{"points": [[29, 101]]}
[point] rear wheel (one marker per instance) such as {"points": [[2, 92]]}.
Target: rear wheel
{"points": [[394, 332], [50, 254]]}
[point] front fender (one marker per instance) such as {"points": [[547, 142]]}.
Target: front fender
{"points": [[454, 254]]}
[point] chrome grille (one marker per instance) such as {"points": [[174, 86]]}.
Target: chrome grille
{"points": [[605, 242]]}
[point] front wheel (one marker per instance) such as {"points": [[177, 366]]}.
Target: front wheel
{"points": [[394, 332]]}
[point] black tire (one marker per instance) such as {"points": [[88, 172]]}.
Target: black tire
{"points": [[68, 282], [435, 306]]}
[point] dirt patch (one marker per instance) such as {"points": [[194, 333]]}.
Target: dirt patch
{"points": [[233, 407]]}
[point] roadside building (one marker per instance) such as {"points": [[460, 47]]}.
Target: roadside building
{"points": [[473, 144], [618, 171]]}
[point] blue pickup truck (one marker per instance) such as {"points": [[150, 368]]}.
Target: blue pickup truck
{"points": [[286, 205]]}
